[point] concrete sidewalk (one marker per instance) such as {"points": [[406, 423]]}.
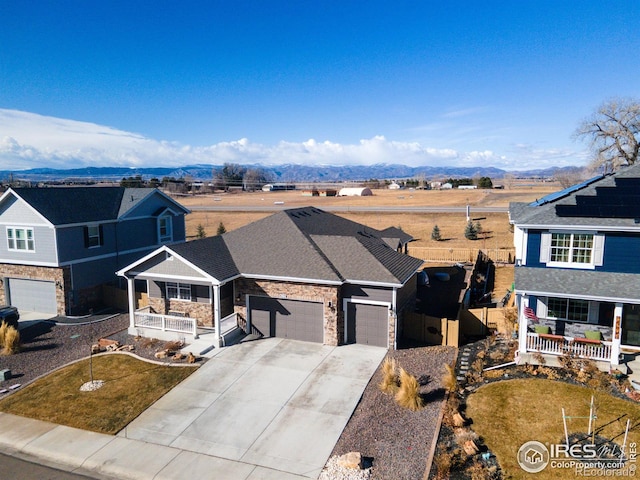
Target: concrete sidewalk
{"points": [[270, 409], [105, 456]]}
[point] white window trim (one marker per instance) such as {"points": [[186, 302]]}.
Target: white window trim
{"points": [[542, 310], [597, 250], [15, 240], [179, 287], [169, 226], [89, 236]]}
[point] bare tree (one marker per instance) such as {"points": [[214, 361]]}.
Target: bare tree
{"points": [[612, 132], [568, 177], [508, 179]]}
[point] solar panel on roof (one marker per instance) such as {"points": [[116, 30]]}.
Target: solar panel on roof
{"points": [[552, 197]]}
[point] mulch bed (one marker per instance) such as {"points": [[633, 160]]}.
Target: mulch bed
{"points": [[397, 441], [49, 345]]}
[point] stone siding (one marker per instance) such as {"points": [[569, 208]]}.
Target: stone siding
{"points": [[60, 275], [333, 318], [202, 312]]}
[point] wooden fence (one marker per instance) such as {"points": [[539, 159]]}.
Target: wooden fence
{"points": [[461, 255], [473, 322], [432, 330]]}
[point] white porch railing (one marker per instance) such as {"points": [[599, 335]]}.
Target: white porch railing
{"points": [[166, 323], [559, 345]]}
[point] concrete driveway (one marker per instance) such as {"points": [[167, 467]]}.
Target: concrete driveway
{"points": [[275, 403]]}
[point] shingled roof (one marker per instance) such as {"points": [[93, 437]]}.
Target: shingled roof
{"points": [[305, 244], [69, 205], [609, 201]]}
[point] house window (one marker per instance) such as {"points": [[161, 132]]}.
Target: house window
{"points": [[572, 250], [20, 239], [571, 247], [93, 236], [568, 309], [178, 291], [165, 233]]}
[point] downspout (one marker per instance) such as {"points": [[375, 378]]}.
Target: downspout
{"points": [[394, 299]]}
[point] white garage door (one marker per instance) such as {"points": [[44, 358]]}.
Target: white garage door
{"points": [[33, 295]]}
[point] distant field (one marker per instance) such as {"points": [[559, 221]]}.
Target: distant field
{"points": [[419, 225], [497, 231], [409, 198]]}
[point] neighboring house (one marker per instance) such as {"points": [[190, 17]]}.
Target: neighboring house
{"points": [[577, 275], [302, 273], [394, 186], [60, 245]]}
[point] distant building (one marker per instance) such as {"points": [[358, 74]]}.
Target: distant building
{"points": [[355, 192], [467, 187], [278, 187], [446, 186], [394, 186]]}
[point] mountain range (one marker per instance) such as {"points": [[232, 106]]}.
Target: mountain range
{"points": [[281, 173]]}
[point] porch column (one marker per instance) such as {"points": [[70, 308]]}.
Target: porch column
{"points": [[616, 334], [522, 301], [216, 314], [131, 295]]}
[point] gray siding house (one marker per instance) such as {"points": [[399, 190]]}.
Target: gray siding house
{"points": [[303, 274], [59, 246]]}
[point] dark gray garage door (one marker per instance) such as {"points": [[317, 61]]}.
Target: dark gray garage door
{"points": [[293, 319], [33, 295], [367, 324]]}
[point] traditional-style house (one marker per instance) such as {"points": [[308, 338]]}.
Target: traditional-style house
{"points": [[577, 274]]}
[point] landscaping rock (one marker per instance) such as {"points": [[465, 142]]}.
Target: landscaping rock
{"points": [[161, 354], [191, 358], [105, 342], [470, 447], [179, 356], [458, 420], [351, 460], [333, 471]]}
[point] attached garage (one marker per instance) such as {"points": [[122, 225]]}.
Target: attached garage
{"points": [[33, 295], [368, 324], [292, 319]]}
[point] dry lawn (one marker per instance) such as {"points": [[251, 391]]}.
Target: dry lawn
{"points": [[509, 413], [131, 386]]}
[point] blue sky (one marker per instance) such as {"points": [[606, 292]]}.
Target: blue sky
{"points": [[502, 83]]}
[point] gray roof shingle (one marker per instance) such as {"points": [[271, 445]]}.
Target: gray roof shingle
{"points": [[587, 284], [306, 244], [211, 255], [69, 205]]}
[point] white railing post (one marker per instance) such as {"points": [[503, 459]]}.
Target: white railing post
{"points": [[131, 297]]}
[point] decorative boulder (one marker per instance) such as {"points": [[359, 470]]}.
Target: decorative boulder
{"points": [[351, 460]]}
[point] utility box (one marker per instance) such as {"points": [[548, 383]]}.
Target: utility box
{"points": [[5, 374]]}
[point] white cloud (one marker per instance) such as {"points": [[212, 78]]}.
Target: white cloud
{"points": [[29, 140]]}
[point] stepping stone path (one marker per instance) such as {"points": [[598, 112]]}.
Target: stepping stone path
{"points": [[463, 363]]}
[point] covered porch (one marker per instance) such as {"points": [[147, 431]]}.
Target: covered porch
{"points": [[582, 328], [182, 302]]}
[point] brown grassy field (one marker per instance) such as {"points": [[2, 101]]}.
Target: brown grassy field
{"points": [[496, 229], [419, 225]]}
